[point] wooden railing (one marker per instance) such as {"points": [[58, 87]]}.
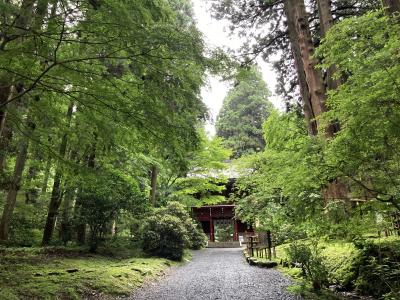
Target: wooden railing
{"points": [[261, 244]]}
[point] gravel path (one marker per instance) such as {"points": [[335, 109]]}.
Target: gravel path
{"points": [[217, 274]]}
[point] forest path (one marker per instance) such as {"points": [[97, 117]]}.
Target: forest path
{"points": [[217, 274]]}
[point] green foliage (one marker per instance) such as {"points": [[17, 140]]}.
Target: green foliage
{"points": [[169, 230], [195, 238], [202, 178], [243, 113], [281, 186], [103, 198], [311, 261], [164, 236], [366, 150], [377, 269]]}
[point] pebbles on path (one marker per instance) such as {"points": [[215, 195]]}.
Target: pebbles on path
{"points": [[217, 274]]}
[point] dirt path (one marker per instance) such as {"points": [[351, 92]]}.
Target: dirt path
{"points": [[218, 274]]}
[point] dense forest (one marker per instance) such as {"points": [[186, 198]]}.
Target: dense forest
{"points": [[102, 145]]}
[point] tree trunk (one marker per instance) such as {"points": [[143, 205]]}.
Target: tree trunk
{"points": [[305, 94], [5, 92], [30, 192], [68, 203], [297, 13], [81, 226], [326, 22], [55, 199], [46, 175], [5, 140], [391, 6], [15, 181], [67, 206], [153, 191]]}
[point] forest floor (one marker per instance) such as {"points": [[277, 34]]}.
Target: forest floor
{"points": [[62, 273], [218, 274]]}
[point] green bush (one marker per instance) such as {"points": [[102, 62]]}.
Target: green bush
{"points": [[196, 238], [164, 236], [311, 261], [377, 269], [169, 230]]}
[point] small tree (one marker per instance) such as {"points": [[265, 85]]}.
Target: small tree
{"points": [[103, 198]]}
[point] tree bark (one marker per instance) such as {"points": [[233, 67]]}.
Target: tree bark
{"points": [[67, 206], [296, 10], [15, 181], [81, 226], [153, 191], [55, 199], [391, 6], [5, 92], [326, 22], [5, 140], [46, 175], [305, 94], [68, 203]]}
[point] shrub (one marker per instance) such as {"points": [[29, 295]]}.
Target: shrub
{"points": [[195, 238], [164, 236], [377, 269], [311, 262]]}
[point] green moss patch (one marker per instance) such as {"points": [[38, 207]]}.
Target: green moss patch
{"points": [[33, 273]]}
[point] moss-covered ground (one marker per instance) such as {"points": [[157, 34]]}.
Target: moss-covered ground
{"points": [[60, 273]]}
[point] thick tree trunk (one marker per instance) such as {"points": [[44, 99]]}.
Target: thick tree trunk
{"points": [[15, 182], [55, 199], [153, 191], [326, 22], [305, 94], [67, 206], [325, 15], [391, 6], [297, 11]]}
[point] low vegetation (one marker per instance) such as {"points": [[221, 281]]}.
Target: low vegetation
{"points": [[66, 273], [334, 269]]}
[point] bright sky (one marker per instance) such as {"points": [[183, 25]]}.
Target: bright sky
{"points": [[216, 34]]}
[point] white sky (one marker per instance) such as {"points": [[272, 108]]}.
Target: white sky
{"points": [[216, 34]]}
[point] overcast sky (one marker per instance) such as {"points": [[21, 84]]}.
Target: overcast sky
{"points": [[216, 34]]}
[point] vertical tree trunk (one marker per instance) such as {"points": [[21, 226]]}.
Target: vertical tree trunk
{"points": [[153, 191], [68, 203], [29, 190], [326, 22], [67, 206], [391, 6], [5, 140], [305, 94], [55, 199], [81, 226], [46, 175], [5, 91], [15, 181], [297, 11]]}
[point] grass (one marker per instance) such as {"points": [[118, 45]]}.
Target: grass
{"points": [[71, 274]]}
